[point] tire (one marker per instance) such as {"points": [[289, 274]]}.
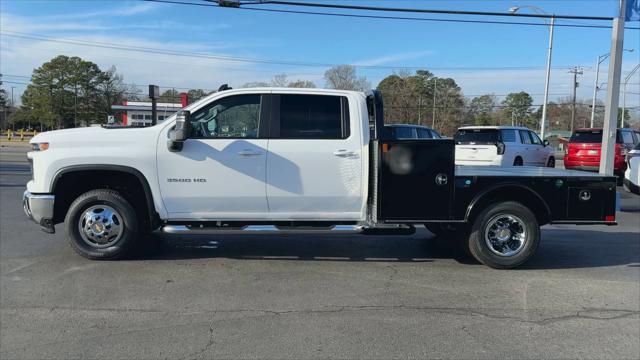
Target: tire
{"points": [[518, 161], [631, 187], [551, 162], [98, 238], [504, 254]]}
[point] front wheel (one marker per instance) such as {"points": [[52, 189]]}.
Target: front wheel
{"points": [[101, 224], [504, 235]]}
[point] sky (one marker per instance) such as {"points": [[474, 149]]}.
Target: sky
{"points": [[482, 58]]}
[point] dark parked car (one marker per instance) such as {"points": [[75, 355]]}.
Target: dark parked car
{"points": [[408, 131]]}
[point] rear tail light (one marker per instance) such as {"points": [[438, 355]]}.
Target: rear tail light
{"points": [[610, 218], [501, 147]]}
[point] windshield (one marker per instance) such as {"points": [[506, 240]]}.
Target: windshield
{"points": [[590, 136], [477, 136]]}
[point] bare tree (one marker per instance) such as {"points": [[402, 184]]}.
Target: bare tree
{"points": [[302, 84], [279, 80], [344, 77], [255, 84]]}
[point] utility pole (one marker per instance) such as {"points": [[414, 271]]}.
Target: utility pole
{"points": [[624, 93], [433, 116], [13, 105], [613, 92], [575, 71]]}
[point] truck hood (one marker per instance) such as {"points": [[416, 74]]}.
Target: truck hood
{"points": [[92, 136]]}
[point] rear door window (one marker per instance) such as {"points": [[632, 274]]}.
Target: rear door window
{"points": [[508, 135], [405, 132], [627, 137], [477, 136], [312, 117], [424, 134], [524, 137]]}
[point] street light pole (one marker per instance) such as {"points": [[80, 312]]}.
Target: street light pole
{"points": [[601, 58], [624, 93], [613, 90], [595, 88], [543, 120]]}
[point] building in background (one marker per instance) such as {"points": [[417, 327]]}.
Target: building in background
{"points": [[138, 113]]}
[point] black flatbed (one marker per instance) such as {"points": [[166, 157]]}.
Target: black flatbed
{"points": [[522, 171]]}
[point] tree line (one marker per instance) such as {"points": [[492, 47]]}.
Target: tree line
{"points": [[69, 91]]}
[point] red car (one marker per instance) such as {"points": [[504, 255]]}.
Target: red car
{"points": [[583, 151]]}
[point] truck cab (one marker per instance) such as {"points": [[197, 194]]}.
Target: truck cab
{"points": [[293, 160]]}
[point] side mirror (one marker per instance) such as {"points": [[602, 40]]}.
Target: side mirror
{"points": [[181, 132], [546, 142]]}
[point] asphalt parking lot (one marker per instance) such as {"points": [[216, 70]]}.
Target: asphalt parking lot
{"points": [[315, 296]]}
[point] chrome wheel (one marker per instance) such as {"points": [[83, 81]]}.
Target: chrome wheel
{"points": [[100, 226], [505, 234]]}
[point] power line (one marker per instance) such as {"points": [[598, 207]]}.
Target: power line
{"points": [[389, 17], [239, 59], [409, 10]]}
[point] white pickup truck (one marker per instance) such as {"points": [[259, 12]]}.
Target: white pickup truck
{"points": [[305, 160]]}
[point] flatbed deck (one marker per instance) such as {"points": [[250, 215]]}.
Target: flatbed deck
{"points": [[522, 171]]}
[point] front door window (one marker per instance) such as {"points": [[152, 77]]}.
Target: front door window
{"points": [[231, 117]]}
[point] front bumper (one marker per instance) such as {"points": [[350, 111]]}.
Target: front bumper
{"points": [[39, 208]]}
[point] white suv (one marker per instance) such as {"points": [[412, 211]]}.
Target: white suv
{"points": [[502, 146]]}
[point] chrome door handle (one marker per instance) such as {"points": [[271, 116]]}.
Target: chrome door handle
{"points": [[249, 153], [344, 153]]}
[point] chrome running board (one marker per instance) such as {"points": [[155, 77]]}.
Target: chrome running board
{"points": [[261, 229]]}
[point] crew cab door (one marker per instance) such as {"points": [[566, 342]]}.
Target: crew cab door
{"points": [[221, 170], [314, 164], [538, 149], [527, 149]]}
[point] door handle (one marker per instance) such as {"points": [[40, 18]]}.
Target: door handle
{"points": [[344, 153], [249, 153]]}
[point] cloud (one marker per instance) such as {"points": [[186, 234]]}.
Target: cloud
{"points": [[137, 9], [387, 59]]}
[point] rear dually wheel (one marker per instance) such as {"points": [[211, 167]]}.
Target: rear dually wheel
{"points": [[504, 235]]}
